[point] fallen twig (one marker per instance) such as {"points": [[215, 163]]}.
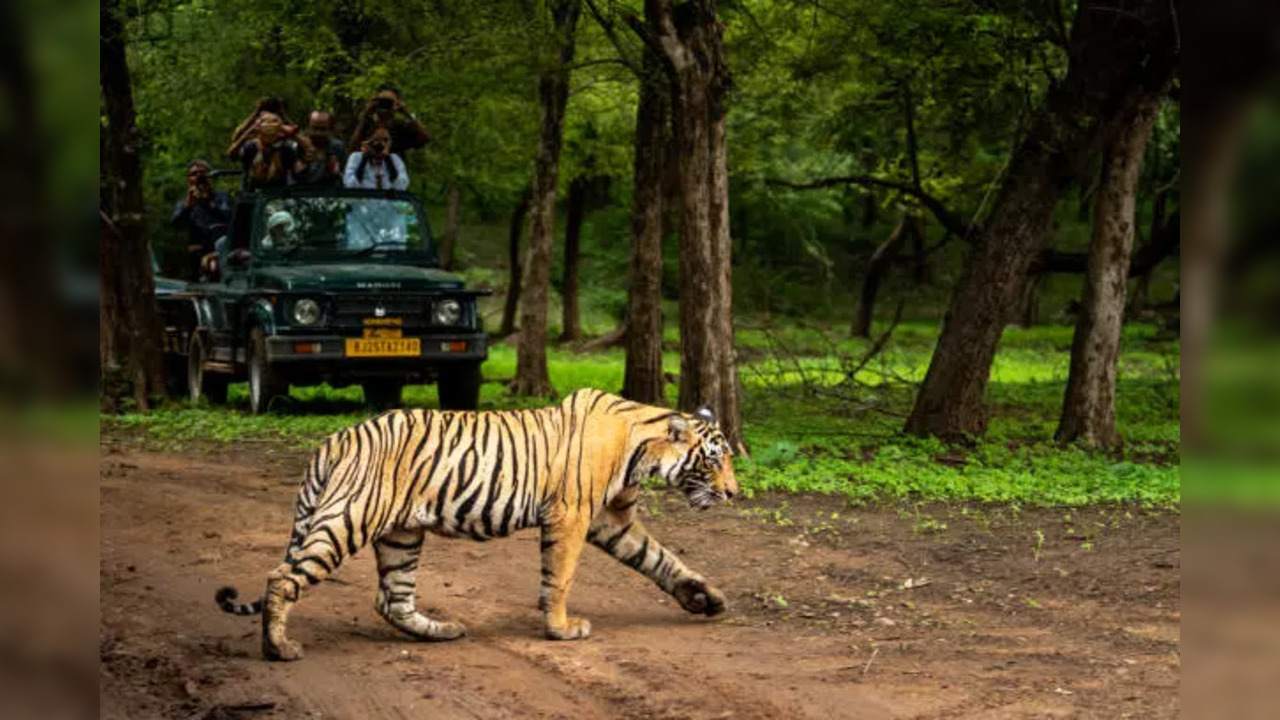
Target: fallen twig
{"points": [[874, 652]]}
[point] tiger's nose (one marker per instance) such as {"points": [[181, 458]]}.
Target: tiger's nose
{"points": [[728, 494]]}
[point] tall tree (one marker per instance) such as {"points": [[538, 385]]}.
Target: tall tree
{"points": [[452, 220], [129, 340], [643, 379], [532, 377], [575, 210], [1117, 53], [689, 40], [1089, 407], [515, 230]]}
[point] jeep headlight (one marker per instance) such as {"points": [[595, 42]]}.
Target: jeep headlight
{"points": [[306, 312], [446, 312]]}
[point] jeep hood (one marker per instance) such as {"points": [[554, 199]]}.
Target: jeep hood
{"points": [[354, 277]]}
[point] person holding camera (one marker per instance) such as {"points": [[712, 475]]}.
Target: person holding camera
{"points": [[244, 132], [387, 110], [375, 166], [204, 213], [271, 157]]}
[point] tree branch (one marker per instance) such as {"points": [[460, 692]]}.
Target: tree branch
{"points": [[1143, 260], [948, 219], [608, 26]]}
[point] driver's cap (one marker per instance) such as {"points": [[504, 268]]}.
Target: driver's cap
{"points": [[280, 217]]}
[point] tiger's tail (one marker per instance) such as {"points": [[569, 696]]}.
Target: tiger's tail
{"points": [[226, 599], [313, 485]]}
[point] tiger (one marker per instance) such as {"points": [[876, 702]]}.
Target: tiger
{"points": [[573, 470]]}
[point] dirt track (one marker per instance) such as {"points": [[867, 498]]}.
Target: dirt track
{"points": [[1083, 624]]}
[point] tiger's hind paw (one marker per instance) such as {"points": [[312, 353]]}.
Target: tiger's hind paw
{"points": [[287, 651], [574, 629]]}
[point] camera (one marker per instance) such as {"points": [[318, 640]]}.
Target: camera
{"points": [[383, 103], [377, 147]]}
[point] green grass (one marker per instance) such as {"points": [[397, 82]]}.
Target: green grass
{"points": [[802, 442]]}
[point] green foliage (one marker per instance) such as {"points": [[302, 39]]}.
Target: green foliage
{"points": [[802, 443], [819, 90]]}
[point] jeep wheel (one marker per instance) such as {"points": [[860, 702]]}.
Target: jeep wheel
{"points": [[211, 386], [265, 384], [382, 395], [459, 386]]}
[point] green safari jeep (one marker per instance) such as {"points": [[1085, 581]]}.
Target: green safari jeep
{"points": [[327, 285]]}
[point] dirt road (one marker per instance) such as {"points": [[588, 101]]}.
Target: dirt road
{"points": [[898, 612]]}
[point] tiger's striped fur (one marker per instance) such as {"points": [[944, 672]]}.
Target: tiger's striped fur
{"points": [[573, 470]]}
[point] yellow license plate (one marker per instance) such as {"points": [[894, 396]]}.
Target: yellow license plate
{"points": [[384, 347]]}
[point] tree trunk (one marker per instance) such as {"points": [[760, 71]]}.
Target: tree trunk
{"points": [[1113, 57], [1089, 407], [643, 380], [532, 378], [729, 408], [453, 209], [571, 326], [129, 339], [513, 263], [1029, 305], [690, 43], [881, 261], [1142, 288], [949, 402]]}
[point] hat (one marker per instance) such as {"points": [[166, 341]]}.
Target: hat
{"points": [[281, 217]]}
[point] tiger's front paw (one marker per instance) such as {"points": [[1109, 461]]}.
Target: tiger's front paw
{"points": [[573, 629], [697, 597]]}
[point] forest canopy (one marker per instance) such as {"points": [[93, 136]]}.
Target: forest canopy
{"points": [[819, 90]]}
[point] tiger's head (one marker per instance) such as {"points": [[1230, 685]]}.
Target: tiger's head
{"points": [[695, 457]]}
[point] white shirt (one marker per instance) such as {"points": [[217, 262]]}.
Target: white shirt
{"points": [[376, 177]]}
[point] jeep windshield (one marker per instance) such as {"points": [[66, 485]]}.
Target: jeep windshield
{"points": [[319, 228]]}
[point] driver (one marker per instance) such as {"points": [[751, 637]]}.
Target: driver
{"points": [[280, 227]]}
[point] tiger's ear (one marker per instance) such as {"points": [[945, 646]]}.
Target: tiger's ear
{"points": [[705, 414], [678, 428]]}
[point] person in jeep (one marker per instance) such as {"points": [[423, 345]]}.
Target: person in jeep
{"points": [[376, 167], [204, 213], [271, 158], [328, 154], [244, 132], [280, 231], [387, 110]]}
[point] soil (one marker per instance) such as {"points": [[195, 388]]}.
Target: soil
{"points": [[912, 611]]}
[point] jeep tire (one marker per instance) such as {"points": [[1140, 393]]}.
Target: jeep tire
{"points": [[265, 384], [459, 386], [211, 386]]}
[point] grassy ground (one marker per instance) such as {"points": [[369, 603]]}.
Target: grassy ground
{"points": [[810, 431]]}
